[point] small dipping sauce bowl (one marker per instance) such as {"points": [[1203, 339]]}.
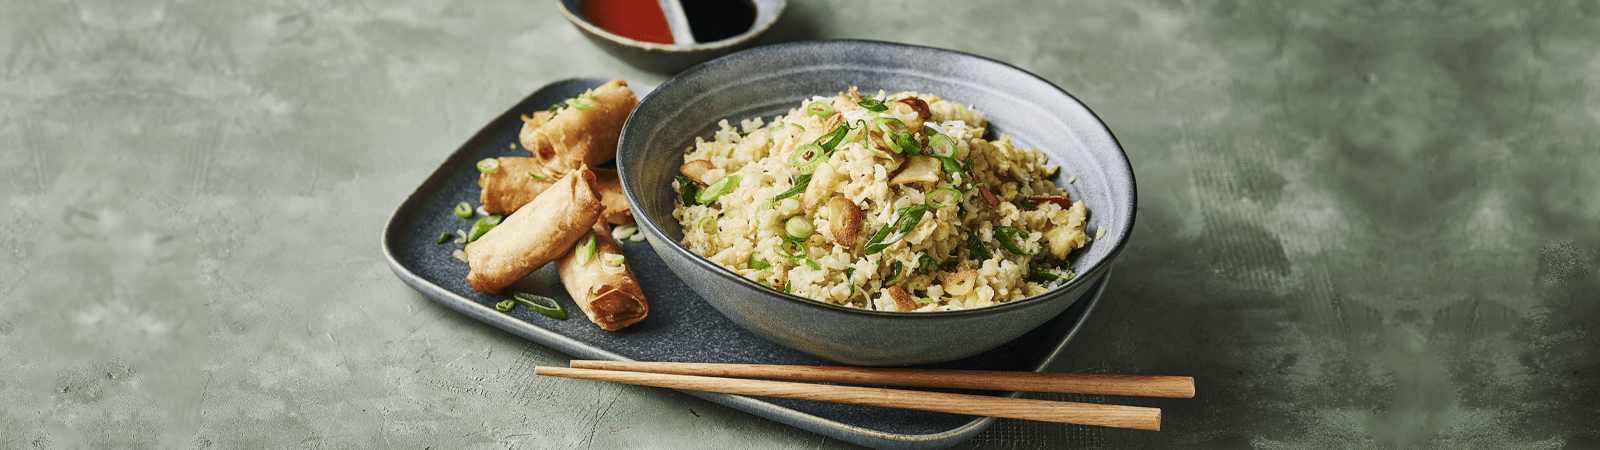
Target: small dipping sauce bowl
{"points": [[700, 30]]}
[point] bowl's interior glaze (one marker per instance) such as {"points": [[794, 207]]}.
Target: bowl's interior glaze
{"points": [[768, 81]]}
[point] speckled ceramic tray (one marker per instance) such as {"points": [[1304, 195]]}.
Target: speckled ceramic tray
{"points": [[681, 327]]}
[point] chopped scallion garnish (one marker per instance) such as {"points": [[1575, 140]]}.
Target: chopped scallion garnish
{"points": [[505, 305], [716, 190], [894, 271], [709, 224], [758, 264], [585, 250], [444, 237], [488, 165], [819, 109], [482, 226], [898, 227], [806, 157], [872, 104], [830, 141], [1005, 234], [538, 177], [941, 145], [926, 264], [690, 190], [464, 210], [975, 247], [798, 227], [544, 305], [942, 198], [1045, 274], [799, 183]]}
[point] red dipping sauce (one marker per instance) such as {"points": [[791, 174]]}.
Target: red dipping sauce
{"points": [[640, 20]]}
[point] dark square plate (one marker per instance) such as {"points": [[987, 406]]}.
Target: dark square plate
{"points": [[681, 327]]}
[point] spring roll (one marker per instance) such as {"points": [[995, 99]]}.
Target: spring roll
{"points": [[610, 187], [585, 134], [516, 183], [606, 291], [536, 234]]}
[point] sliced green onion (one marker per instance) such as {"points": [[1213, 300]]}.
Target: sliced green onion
{"points": [[585, 250], [799, 183], [900, 225], [949, 165], [544, 305], [716, 190], [806, 157], [786, 285], [819, 109], [798, 227], [1005, 234], [943, 198], [812, 264], [538, 177], [764, 205], [690, 190], [909, 144], [488, 165], [709, 224], [872, 104], [832, 140], [889, 125], [464, 210], [976, 248], [791, 249], [926, 300], [444, 237], [1045, 274], [796, 125], [926, 264], [758, 264], [505, 305], [482, 226], [941, 145], [580, 104], [894, 271], [949, 265], [850, 277], [613, 264], [1025, 203]]}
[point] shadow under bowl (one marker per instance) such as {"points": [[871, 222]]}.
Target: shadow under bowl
{"points": [[685, 51], [769, 81]]}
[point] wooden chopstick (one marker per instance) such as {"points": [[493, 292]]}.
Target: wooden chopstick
{"points": [[1016, 408], [1143, 386]]}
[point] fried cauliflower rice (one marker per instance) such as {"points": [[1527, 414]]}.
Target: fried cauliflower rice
{"points": [[883, 202]]}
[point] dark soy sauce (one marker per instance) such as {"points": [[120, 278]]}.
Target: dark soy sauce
{"points": [[715, 20]]}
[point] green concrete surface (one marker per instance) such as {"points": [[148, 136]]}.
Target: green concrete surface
{"points": [[1362, 224]]}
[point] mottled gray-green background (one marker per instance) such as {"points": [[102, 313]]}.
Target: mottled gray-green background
{"points": [[1363, 224]]}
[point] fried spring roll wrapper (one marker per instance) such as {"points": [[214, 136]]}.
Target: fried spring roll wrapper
{"points": [[573, 137], [611, 300], [516, 184], [536, 234], [610, 187]]}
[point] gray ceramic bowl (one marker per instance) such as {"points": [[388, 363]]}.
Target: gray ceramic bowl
{"points": [[685, 51], [768, 81]]}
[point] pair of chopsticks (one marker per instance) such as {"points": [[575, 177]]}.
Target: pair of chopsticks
{"points": [[729, 379]]}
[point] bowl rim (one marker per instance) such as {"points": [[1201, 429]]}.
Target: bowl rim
{"points": [[1086, 278], [756, 29]]}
